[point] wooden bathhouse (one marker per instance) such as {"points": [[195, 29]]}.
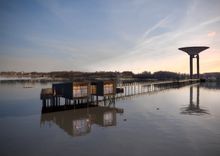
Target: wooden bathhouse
{"points": [[79, 93], [72, 90]]}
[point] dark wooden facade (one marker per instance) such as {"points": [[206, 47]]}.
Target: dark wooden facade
{"points": [[103, 88], [72, 90]]}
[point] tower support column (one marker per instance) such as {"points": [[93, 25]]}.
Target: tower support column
{"points": [[191, 66], [197, 66]]}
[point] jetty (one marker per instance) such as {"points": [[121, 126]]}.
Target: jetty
{"points": [[70, 95]]}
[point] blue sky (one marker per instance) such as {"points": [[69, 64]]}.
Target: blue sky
{"points": [[116, 35]]}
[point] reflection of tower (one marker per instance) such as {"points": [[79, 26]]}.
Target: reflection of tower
{"points": [[193, 52], [194, 107]]}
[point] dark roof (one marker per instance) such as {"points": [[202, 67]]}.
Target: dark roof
{"points": [[193, 50]]}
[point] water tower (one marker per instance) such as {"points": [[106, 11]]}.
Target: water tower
{"points": [[193, 52]]}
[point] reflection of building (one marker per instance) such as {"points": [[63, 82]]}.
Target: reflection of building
{"points": [[81, 126], [194, 108], [211, 85], [78, 122]]}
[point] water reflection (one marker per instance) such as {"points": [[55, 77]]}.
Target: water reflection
{"points": [[211, 85], [194, 108], [78, 122]]}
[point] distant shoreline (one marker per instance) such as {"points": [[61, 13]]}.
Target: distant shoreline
{"points": [[29, 79], [76, 75]]}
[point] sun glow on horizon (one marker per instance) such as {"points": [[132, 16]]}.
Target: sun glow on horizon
{"points": [[109, 36]]}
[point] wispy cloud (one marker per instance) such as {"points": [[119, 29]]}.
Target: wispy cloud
{"points": [[183, 33], [164, 47], [162, 23], [133, 35]]}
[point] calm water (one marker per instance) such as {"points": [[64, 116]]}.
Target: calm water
{"points": [[183, 121]]}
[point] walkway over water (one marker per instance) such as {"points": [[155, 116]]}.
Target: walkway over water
{"points": [[137, 88], [51, 100]]}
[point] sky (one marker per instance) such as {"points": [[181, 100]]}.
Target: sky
{"points": [[108, 35]]}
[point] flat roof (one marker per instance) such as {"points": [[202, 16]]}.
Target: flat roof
{"points": [[193, 50]]}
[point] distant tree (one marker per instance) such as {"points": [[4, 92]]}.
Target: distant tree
{"points": [[165, 75], [128, 74], [144, 75]]}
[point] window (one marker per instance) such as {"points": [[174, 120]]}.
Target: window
{"points": [[108, 88], [93, 89], [80, 91]]}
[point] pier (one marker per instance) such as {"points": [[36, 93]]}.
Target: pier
{"points": [[71, 95]]}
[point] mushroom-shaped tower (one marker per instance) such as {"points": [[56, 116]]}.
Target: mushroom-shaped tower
{"points": [[193, 52]]}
